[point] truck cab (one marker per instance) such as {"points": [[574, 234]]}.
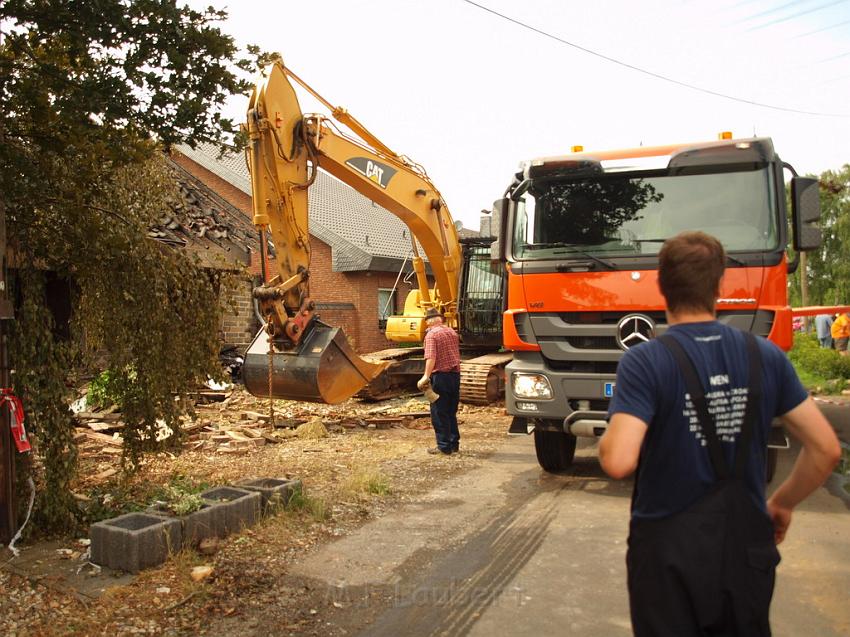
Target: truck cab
{"points": [[580, 236]]}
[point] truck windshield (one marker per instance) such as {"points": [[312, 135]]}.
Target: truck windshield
{"points": [[626, 214]]}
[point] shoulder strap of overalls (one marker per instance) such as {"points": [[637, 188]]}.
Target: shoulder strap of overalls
{"points": [[694, 387], [753, 411], [751, 414]]}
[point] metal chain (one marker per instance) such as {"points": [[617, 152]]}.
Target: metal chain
{"points": [[270, 331]]}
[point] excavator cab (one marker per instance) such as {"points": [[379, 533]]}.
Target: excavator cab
{"points": [[321, 368], [482, 293]]}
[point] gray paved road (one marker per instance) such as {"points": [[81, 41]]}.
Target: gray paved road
{"points": [[510, 550]]}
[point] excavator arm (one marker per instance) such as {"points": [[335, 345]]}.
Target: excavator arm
{"points": [[308, 360]]}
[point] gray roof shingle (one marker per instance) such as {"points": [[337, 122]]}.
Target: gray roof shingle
{"points": [[204, 223], [361, 234]]}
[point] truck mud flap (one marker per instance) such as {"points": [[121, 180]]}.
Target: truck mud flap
{"points": [[323, 368]]}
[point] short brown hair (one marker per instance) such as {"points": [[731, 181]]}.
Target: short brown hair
{"points": [[690, 266]]}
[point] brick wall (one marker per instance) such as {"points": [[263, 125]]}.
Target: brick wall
{"points": [[358, 288], [239, 325], [352, 296]]}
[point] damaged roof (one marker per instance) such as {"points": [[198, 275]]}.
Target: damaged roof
{"points": [[362, 235], [206, 224]]}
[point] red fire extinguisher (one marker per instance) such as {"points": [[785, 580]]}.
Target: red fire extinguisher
{"points": [[16, 418]]}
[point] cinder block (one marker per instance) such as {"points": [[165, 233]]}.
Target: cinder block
{"points": [[134, 541], [275, 492], [241, 507], [208, 521]]}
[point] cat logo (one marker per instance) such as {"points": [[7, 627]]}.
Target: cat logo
{"points": [[372, 170]]}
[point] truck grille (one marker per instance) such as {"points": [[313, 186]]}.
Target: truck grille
{"points": [[585, 342]]}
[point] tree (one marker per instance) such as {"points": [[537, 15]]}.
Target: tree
{"points": [[90, 94]]}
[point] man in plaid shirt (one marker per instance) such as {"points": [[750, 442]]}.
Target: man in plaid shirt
{"points": [[442, 369]]}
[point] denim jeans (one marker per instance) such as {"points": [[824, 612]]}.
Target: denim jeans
{"points": [[444, 410]]}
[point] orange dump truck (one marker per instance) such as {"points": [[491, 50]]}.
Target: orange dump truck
{"points": [[580, 235]]}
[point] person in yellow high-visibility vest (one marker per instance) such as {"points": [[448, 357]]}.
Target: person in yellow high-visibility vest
{"points": [[841, 332]]}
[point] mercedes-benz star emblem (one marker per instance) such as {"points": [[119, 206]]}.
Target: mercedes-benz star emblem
{"points": [[634, 329]]}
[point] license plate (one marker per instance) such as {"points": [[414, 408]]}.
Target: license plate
{"points": [[609, 390]]}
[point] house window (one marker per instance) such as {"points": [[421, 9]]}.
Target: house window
{"points": [[386, 307]]}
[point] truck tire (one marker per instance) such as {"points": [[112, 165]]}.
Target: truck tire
{"points": [[772, 458], [555, 450]]}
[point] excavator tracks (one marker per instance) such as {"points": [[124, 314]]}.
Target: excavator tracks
{"points": [[482, 379]]}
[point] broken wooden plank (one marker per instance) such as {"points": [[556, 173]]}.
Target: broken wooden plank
{"points": [[107, 416], [99, 426], [103, 438], [103, 475], [255, 415], [232, 450], [193, 426], [210, 395]]}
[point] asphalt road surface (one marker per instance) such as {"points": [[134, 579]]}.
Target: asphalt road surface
{"points": [[510, 550]]}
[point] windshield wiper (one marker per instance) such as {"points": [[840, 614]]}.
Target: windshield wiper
{"points": [[581, 253]]}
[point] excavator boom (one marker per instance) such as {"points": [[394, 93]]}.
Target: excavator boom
{"points": [[296, 356]]}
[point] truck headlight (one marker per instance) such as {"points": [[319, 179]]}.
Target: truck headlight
{"points": [[531, 386]]}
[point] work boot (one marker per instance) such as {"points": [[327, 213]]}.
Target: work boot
{"points": [[435, 450]]}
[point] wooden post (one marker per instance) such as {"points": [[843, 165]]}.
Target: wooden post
{"points": [[8, 523], [804, 287]]}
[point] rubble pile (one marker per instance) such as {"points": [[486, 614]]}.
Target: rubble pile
{"points": [[231, 421]]}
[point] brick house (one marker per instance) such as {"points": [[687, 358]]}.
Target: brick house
{"points": [[360, 271], [207, 225]]}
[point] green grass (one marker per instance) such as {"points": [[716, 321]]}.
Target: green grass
{"points": [[809, 379], [316, 508], [369, 481]]}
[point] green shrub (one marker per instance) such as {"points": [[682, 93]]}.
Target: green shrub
{"points": [[181, 495], [807, 355], [101, 394], [110, 388]]}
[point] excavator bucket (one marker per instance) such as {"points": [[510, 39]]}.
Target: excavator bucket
{"points": [[321, 369]]}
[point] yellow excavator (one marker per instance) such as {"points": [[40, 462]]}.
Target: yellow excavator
{"points": [[296, 356]]}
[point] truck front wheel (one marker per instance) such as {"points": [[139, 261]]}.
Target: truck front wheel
{"points": [[555, 450]]}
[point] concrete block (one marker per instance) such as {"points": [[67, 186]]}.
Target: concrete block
{"points": [[241, 507], [208, 521], [275, 492], [134, 541]]}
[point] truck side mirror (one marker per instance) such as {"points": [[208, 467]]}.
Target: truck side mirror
{"points": [[498, 224], [805, 213]]}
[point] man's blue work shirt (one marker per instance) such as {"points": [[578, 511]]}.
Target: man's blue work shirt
{"points": [[675, 469], [822, 324]]}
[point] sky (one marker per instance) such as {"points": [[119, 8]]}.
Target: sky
{"points": [[469, 94]]}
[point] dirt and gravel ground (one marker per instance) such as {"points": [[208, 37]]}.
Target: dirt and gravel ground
{"points": [[353, 475]]}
